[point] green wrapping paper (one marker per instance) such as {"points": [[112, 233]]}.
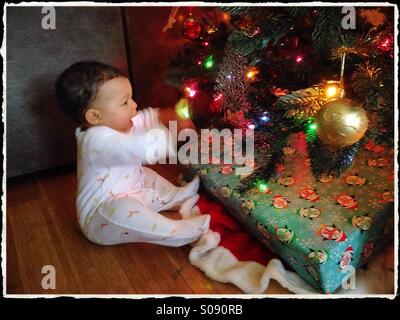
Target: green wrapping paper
{"points": [[324, 228]]}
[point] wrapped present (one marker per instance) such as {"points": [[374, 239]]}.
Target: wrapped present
{"points": [[323, 228]]}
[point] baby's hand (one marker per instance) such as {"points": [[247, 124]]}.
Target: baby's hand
{"points": [[180, 114], [182, 110]]}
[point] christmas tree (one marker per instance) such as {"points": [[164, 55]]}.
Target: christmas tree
{"points": [[324, 71]]}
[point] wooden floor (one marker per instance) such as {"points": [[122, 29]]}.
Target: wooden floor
{"points": [[42, 229]]}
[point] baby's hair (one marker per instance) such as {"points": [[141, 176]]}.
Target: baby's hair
{"points": [[77, 86]]}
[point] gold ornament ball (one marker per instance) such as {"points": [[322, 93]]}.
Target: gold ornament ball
{"points": [[341, 123]]}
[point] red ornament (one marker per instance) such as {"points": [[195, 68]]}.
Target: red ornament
{"points": [[200, 106], [191, 28], [216, 103], [299, 58], [386, 44]]}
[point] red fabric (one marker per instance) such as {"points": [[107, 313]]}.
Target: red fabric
{"points": [[235, 238]]}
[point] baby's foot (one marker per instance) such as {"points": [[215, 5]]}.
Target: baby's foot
{"points": [[191, 188], [201, 223], [184, 193], [187, 209]]}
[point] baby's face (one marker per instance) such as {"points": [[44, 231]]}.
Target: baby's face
{"points": [[114, 101]]}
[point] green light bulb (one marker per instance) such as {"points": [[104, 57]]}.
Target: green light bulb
{"points": [[208, 62], [263, 187], [182, 108], [312, 126]]}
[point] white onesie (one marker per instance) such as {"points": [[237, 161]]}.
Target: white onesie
{"points": [[118, 199]]}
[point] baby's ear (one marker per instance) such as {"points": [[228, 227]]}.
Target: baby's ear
{"points": [[93, 116]]}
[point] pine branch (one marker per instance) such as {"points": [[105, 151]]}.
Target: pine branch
{"points": [[367, 83], [327, 29], [245, 45], [329, 160], [240, 11], [302, 104], [267, 158], [298, 12]]}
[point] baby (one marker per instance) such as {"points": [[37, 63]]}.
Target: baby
{"points": [[119, 200]]}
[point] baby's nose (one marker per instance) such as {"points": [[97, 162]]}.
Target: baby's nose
{"points": [[133, 112]]}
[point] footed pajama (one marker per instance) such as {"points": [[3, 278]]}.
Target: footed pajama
{"points": [[118, 199]]}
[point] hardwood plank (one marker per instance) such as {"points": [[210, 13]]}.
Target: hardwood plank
{"points": [[128, 265], [153, 272], [168, 171], [35, 249], [275, 288], [94, 267], [42, 226], [14, 282], [142, 280], [179, 257], [22, 189], [137, 270], [194, 277]]}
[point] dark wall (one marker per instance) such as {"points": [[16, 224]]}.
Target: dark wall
{"points": [[39, 136], [149, 50]]}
